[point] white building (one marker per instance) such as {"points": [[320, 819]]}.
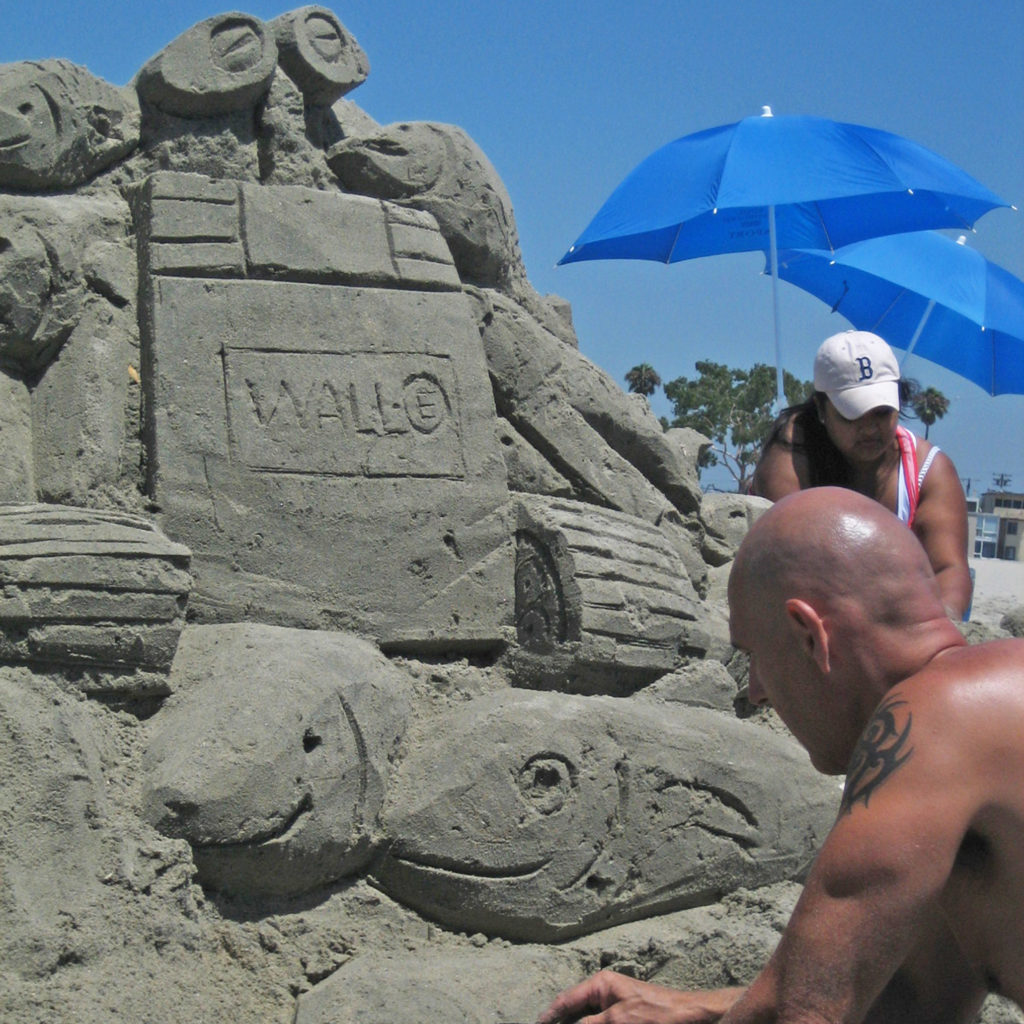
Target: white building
{"points": [[996, 525]]}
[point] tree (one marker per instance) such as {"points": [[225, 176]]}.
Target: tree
{"points": [[929, 405], [643, 379], [734, 408]]}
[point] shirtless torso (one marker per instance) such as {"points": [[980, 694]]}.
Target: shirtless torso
{"points": [[977, 695], [925, 864]]}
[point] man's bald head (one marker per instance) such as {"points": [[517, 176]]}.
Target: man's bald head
{"points": [[827, 545]]}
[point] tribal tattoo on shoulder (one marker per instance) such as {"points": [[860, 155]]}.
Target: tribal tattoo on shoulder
{"points": [[882, 748]]}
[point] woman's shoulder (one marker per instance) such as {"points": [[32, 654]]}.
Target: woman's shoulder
{"points": [[788, 430], [921, 446], [926, 454], [783, 466], [937, 473], [927, 451]]}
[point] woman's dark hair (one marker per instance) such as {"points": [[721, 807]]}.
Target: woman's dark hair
{"points": [[825, 462]]}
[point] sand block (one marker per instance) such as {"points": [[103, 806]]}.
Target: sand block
{"points": [[321, 428], [603, 603], [86, 587]]}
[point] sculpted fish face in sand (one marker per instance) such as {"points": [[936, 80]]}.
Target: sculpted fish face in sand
{"points": [[60, 125], [539, 816], [271, 758]]}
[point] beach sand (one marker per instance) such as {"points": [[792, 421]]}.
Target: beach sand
{"points": [[998, 589]]}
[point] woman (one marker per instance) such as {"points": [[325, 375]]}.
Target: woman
{"points": [[848, 435]]}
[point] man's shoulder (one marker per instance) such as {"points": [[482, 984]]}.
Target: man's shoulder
{"points": [[952, 733], [984, 681], [1002, 654]]}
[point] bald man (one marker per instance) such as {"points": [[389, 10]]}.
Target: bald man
{"points": [[914, 908]]}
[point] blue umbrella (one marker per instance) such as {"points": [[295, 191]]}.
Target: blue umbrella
{"points": [[768, 182], [927, 294]]}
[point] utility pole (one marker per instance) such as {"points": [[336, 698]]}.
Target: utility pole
{"points": [[1001, 480]]}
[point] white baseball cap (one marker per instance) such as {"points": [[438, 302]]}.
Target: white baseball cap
{"points": [[859, 372]]}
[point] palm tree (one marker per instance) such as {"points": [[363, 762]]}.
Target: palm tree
{"points": [[643, 379], [929, 405]]}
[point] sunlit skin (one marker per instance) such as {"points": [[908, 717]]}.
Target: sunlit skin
{"points": [[869, 446], [914, 907]]}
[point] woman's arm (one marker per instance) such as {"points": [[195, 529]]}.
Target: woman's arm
{"points": [[782, 468], [941, 525]]}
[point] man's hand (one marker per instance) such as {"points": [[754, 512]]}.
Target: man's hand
{"points": [[612, 998]]}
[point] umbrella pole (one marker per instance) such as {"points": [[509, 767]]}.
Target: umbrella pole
{"points": [[780, 397], [917, 332]]}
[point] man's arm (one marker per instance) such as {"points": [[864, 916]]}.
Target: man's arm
{"points": [[867, 940], [934, 985], [610, 998]]}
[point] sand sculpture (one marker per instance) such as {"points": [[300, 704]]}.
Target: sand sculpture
{"points": [[358, 636], [664, 812]]}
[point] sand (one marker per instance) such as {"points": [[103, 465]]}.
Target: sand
{"points": [[998, 589]]}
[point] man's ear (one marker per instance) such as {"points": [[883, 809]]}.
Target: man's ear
{"points": [[810, 631]]}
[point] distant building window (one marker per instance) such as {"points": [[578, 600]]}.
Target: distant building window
{"points": [[1010, 554], [1011, 526], [1017, 503], [986, 536]]}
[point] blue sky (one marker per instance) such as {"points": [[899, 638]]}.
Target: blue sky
{"points": [[567, 96]]}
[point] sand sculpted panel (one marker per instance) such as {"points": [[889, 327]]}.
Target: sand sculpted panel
{"points": [[351, 620], [53, 612], [305, 403]]}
